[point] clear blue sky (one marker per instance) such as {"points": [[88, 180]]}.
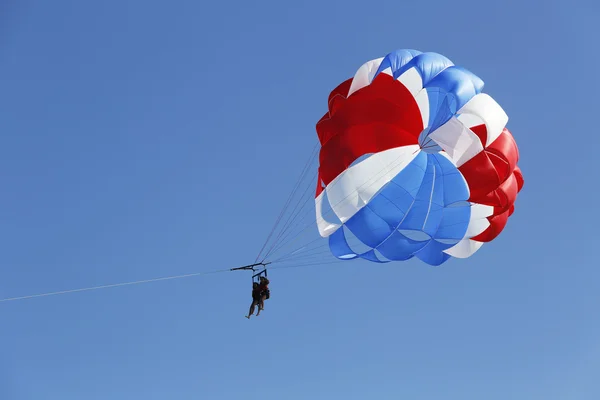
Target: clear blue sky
{"points": [[142, 139]]}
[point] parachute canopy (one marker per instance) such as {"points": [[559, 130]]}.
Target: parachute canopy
{"points": [[415, 161]]}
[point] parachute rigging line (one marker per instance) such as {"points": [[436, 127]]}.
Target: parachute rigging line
{"points": [[367, 184], [289, 199], [284, 240], [166, 278]]}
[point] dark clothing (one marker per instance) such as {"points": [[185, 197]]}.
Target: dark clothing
{"points": [[263, 286]]}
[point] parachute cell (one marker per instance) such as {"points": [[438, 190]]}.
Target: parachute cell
{"points": [[415, 161]]}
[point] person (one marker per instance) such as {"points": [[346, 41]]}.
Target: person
{"points": [[265, 293], [256, 298]]}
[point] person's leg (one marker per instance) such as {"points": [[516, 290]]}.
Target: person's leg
{"points": [[252, 307]]}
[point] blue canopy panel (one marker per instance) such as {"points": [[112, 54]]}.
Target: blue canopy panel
{"points": [[421, 212]]}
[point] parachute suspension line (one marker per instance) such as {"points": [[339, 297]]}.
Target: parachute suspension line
{"points": [[293, 215], [293, 225], [302, 249], [286, 204], [306, 252], [339, 262], [275, 238], [284, 239], [309, 256], [370, 182]]}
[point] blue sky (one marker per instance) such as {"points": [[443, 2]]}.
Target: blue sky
{"points": [[142, 139]]}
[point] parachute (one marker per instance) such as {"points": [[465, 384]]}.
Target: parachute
{"points": [[414, 161]]}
